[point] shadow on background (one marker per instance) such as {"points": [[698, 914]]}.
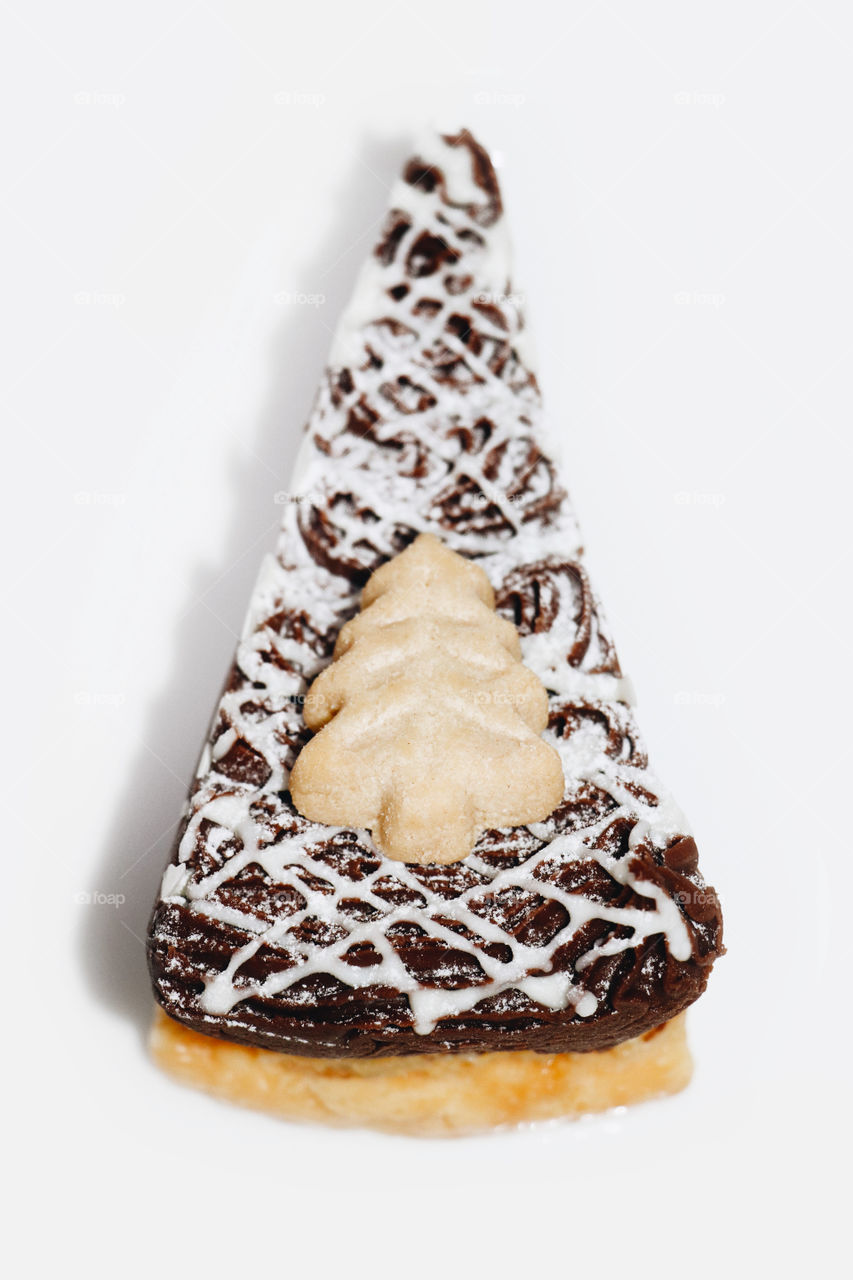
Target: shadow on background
{"points": [[111, 944]]}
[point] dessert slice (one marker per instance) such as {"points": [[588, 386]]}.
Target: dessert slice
{"points": [[479, 958]]}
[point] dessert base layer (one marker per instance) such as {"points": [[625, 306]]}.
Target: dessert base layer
{"points": [[431, 1095]]}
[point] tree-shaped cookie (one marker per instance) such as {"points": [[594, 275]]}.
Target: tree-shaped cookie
{"points": [[429, 724]]}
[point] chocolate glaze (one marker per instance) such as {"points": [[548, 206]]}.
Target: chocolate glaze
{"points": [[368, 408]]}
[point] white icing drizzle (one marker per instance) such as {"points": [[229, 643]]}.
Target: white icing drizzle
{"points": [[292, 579], [428, 1005]]}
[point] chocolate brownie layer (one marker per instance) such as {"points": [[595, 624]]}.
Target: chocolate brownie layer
{"points": [[572, 934]]}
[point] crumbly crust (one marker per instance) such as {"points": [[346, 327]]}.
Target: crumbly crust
{"points": [[427, 1094]]}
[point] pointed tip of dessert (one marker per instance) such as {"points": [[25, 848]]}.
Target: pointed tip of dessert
{"points": [[440, 126]]}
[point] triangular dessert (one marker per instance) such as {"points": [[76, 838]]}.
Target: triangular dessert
{"points": [[545, 971]]}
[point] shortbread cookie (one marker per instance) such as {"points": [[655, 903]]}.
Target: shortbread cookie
{"points": [[574, 933], [429, 724], [428, 1094]]}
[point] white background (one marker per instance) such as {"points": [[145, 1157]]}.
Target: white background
{"points": [[677, 177]]}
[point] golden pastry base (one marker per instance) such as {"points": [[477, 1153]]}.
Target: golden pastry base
{"points": [[429, 1094]]}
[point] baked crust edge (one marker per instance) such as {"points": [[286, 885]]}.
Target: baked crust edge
{"points": [[429, 1095]]}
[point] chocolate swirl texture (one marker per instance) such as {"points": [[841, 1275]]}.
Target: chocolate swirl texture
{"points": [[572, 934]]}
